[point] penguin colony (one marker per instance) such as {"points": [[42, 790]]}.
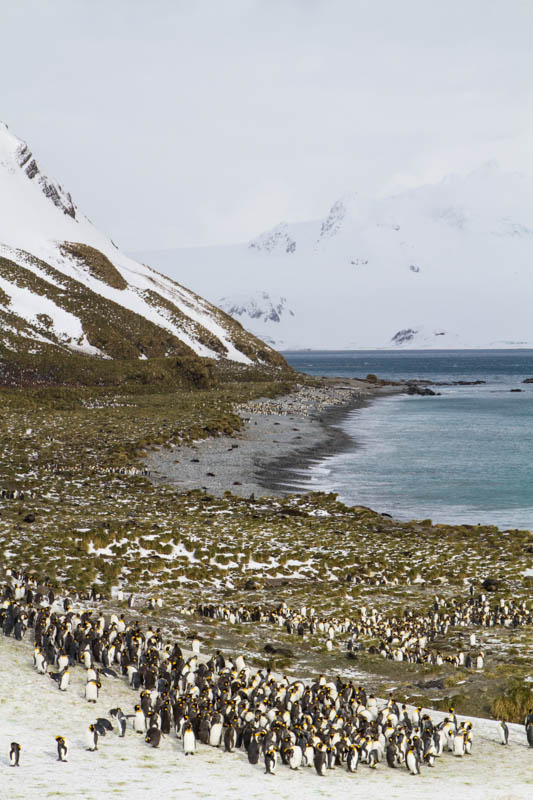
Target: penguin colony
{"points": [[56, 467], [16, 494], [222, 703], [401, 639]]}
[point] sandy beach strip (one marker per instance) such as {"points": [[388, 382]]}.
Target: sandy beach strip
{"points": [[281, 437]]}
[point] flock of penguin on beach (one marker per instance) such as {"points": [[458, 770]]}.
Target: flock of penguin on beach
{"points": [[403, 638], [223, 703]]}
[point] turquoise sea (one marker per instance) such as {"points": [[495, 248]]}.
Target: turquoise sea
{"points": [[465, 456]]}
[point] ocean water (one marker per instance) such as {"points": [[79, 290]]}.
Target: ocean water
{"points": [[463, 457]]}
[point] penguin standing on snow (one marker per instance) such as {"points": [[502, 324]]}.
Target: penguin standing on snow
{"points": [[215, 732], [139, 720], [352, 758], [189, 740], [91, 691], [91, 737], [391, 754], [230, 739], [295, 757], [62, 679], [120, 718], [411, 761], [253, 750], [153, 737], [528, 722], [62, 748], [459, 744], [14, 754], [320, 760], [270, 761]]}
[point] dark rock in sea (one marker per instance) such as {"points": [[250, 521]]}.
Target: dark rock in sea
{"points": [[490, 584], [195, 460], [528, 380], [421, 390], [211, 474], [516, 390]]}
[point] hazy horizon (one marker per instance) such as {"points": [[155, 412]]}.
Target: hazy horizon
{"points": [[175, 124]]}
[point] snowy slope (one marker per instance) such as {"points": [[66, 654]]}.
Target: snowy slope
{"points": [[34, 713], [39, 275], [447, 265]]}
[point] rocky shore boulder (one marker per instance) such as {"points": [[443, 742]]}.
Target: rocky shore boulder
{"points": [[421, 390]]}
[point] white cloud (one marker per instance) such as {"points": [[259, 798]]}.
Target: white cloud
{"points": [[176, 123]]}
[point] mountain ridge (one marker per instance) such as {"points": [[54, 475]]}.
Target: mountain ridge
{"points": [[441, 265], [65, 287]]}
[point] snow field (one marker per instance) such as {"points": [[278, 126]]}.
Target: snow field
{"points": [[33, 712]]}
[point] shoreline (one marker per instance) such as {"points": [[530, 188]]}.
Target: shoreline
{"points": [[281, 437], [282, 475]]}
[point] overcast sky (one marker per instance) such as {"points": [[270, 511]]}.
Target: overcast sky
{"points": [[203, 122]]}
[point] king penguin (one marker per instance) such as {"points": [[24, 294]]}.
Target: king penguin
{"points": [[270, 761], [189, 740], [62, 748], [411, 761], [14, 754], [91, 738]]}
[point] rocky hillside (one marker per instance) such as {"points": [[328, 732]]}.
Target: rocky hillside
{"points": [[69, 299], [446, 265]]}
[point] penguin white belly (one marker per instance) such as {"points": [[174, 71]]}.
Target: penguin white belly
{"points": [[295, 760], [458, 745], [215, 734], [411, 762], [139, 723], [90, 739], [40, 664], [91, 692], [189, 743]]}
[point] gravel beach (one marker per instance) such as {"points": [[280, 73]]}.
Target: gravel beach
{"points": [[281, 437]]}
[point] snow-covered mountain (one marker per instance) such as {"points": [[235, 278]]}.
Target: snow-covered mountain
{"points": [[65, 287], [446, 265]]}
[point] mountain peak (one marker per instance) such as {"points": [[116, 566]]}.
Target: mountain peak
{"points": [[14, 152], [66, 288], [441, 265]]}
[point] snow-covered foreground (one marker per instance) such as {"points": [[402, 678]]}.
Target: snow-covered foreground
{"points": [[33, 712]]}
